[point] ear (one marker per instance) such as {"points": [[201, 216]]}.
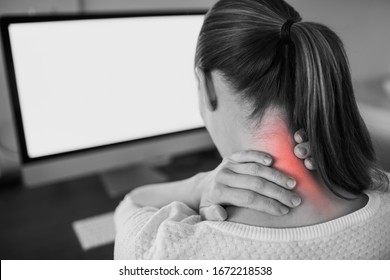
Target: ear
{"points": [[206, 89]]}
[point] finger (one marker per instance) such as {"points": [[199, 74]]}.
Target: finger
{"points": [[268, 173], [302, 150], [300, 136], [257, 186], [252, 156], [309, 164], [213, 212], [249, 199]]}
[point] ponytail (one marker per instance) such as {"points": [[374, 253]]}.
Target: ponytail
{"points": [[340, 142], [301, 68]]}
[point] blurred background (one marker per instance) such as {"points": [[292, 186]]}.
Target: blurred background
{"points": [[39, 223]]}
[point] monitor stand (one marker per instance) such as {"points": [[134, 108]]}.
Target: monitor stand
{"points": [[119, 182]]}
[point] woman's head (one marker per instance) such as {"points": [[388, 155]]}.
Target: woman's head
{"points": [[269, 58]]}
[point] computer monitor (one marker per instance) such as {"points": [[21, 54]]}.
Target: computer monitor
{"points": [[94, 92]]}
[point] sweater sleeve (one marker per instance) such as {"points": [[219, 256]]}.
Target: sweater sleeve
{"points": [[129, 219], [137, 227]]}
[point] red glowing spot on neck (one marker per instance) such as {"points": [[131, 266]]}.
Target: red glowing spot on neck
{"points": [[276, 140]]}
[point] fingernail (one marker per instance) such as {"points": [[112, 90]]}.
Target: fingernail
{"points": [[284, 210], [300, 139], [267, 159], [296, 200], [291, 182], [309, 164], [302, 151], [221, 217]]}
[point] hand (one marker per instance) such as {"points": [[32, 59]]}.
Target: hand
{"points": [[302, 149], [246, 179]]}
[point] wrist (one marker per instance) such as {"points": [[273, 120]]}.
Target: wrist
{"points": [[197, 187]]}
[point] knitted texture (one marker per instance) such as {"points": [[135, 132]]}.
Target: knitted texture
{"points": [[177, 232]]}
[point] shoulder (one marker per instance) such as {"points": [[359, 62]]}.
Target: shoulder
{"points": [[379, 192], [378, 207], [137, 227]]}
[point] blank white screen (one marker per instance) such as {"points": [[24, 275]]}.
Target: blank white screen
{"points": [[89, 83]]}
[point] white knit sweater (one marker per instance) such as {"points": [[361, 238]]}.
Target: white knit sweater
{"points": [[177, 232]]}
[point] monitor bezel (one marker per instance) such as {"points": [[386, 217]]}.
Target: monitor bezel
{"points": [[5, 21]]}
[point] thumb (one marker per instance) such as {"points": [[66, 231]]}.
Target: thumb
{"points": [[213, 212]]}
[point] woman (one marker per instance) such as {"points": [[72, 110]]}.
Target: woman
{"points": [[262, 74]]}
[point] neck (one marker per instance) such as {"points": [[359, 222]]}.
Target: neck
{"points": [[319, 204], [276, 139]]}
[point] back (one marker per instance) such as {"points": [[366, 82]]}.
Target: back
{"points": [[177, 232]]}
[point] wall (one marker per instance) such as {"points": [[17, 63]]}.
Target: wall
{"points": [[364, 27], [123, 5]]}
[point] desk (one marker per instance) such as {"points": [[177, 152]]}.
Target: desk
{"points": [[37, 223]]}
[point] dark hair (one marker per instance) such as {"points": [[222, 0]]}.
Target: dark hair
{"points": [[308, 76]]}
